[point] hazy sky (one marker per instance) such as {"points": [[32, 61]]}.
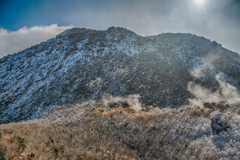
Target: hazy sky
{"points": [[27, 22]]}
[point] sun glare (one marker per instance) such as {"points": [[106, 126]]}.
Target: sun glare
{"points": [[199, 2]]}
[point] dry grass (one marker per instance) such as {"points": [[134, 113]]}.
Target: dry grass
{"points": [[95, 131]]}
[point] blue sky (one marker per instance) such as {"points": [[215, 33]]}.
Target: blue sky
{"points": [[214, 19]]}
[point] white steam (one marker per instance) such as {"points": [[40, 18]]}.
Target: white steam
{"points": [[226, 92], [95, 82], [132, 100], [206, 66]]}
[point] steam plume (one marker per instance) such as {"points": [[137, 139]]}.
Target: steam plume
{"points": [[226, 92]]}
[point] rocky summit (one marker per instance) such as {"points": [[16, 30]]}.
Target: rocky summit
{"points": [[82, 64]]}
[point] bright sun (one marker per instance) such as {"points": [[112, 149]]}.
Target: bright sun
{"points": [[199, 2]]}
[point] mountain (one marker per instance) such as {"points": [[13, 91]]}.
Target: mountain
{"points": [[82, 64]]}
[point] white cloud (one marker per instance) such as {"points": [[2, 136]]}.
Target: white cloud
{"points": [[15, 41]]}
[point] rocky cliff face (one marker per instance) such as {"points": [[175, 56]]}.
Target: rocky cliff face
{"points": [[81, 64]]}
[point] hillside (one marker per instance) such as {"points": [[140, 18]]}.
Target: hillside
{"points": [[83, 64], [114, 129]]}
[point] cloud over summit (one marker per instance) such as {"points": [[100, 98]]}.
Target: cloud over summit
{"points": [[15, 41]]}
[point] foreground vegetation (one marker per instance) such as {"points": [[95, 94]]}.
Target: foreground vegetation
{"points": [[115, 130]]}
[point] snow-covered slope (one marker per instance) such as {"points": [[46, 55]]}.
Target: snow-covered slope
{"points": [[82, 64]]}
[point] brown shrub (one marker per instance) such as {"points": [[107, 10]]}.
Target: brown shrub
{"points": [[81, 132]]}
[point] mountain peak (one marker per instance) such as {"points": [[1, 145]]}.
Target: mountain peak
{"points": [[118, 62], [118, 29], [110, 30], [74, 31]]}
